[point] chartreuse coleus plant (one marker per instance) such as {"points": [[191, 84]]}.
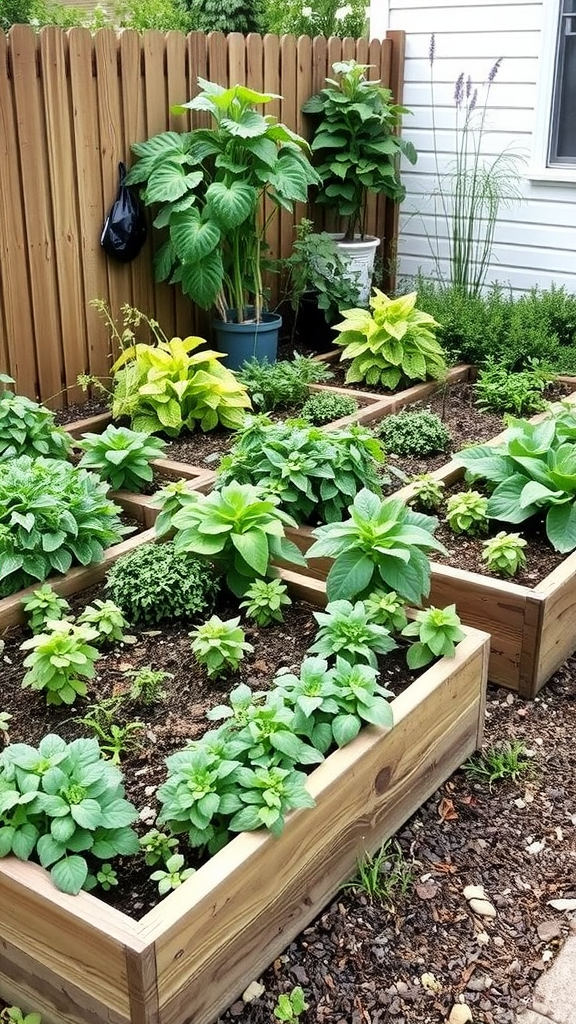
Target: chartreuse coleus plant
{"points": [[313, 472], [121, 456], [42, 605], [438, 631], [61, 660], [264, 601], [52, 515], [27, 428], [239, 529], [393, 344], [504, 553], [533, 471], [171, 386], [63, 805], [384, 543]]}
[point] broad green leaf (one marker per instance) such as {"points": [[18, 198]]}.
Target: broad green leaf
{"points": [[253, 546], [193, 239], [561, 527], [70, 874], [350, 575], [233, 204], [202, 280]]}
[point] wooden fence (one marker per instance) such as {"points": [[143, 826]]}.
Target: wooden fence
{"points": [[71, 104]]}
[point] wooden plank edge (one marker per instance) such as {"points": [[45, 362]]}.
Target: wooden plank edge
{"points": [[89, 425]]}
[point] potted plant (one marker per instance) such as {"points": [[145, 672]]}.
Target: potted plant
{"points": [[317, 285], [209, 185], [358, 147]]}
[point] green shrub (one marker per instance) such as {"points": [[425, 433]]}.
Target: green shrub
{"points": [[325, 407], [52, 515], [319, 18], [227, 15], [500, 390], [27, 428], [414, 433], [154, 584], [121, 456], [285, 383], [472, 327]]}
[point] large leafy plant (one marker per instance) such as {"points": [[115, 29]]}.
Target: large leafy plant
{"points": [[63, 804], [357, 143], [209, 185], [52, 515], [169, 386], [383, 544], [534, 473], [393, 344], [314, 473], [27, 428]]}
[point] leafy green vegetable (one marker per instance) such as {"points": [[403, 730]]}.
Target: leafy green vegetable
{"points": [[504, 553], [438, 631], [265, 600], [466, 512], [43, 604], [219, 646], [27, 428], [121, 456], [348, 630], [60, 661]]}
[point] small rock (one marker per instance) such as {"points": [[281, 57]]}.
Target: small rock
{"points": [[460, 1014], [482, 938], [254, 991], [430, 982], [479, 984], [548, 930], [547, 955], [562, 904], [498, 941], [482, 907], [535, 847], [474, 892]]}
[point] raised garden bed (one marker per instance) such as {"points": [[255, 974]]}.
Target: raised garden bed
{"points": [[77, 960]]}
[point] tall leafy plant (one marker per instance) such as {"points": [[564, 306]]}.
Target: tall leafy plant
{"points": [[209, 184]]}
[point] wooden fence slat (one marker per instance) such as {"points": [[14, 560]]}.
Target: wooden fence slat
{"points": [[135, 130], [177, 93], [288, 114]]}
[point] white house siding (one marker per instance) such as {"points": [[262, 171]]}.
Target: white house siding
{"points": [[536, 237]]}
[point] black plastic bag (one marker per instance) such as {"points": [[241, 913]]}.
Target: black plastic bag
{"points": [[124, 231]]}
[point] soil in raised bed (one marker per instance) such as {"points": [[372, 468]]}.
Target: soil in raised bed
{"points": [[169, 725]]}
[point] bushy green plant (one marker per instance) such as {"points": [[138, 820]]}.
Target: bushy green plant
{"points": [[504, 553], [499, 390], [267, 794], [238, 528], [282, 384], [219, 645], [387, 609], [146, 687], [106, 618], [505, 761], [427, 493], [316, 266], [311, 471], [319, 18], [438, 631], [27, 428], [417, 433], [265, 600], [382, 543], [60, 661], [384, 875], [348, 630], [324, 407], [467, 512], [52, 515], [43, 604], [393, 344], [155, 583], [121, 456], [173, 875], [65, 805]]}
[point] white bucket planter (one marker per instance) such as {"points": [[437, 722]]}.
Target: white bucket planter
{"points": [[360, 255]]}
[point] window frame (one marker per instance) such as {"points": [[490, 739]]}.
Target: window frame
{"points": [[540, 167]]}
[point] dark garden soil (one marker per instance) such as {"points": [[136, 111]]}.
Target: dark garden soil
{"points": [[178, 718]]}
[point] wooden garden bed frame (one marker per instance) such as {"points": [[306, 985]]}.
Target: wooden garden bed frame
{"points": [[78, 961]]}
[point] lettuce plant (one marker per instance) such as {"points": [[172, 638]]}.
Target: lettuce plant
{"points": [[44, 604], [347, 630], [310, 470], [438, 631], [27, 428], [52, 515], [60, 661], [382, 543], [63, 804], [121, 456], [394, 343]]}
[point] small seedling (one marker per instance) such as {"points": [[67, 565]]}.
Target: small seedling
{"points": [[291, 1005], [383, 876], [386, 609], [105, 877], [503, 762], [106, 618], [157, 847], [114, 739], [14, 1015], [174, 874], [264, 601], [466, 512], [427, 493], [219, 646], [5, 717], [504, 553], [438, 631], [41, 606], [147, 685]]}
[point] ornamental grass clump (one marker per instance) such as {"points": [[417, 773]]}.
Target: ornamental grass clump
{"points": [[27, 428], [121, 456], [52, 515]]}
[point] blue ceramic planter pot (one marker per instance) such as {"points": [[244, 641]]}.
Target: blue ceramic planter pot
{"points": [[248, 340]]}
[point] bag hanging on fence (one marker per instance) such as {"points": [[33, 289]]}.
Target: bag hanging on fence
{"points": [[124, 231]]}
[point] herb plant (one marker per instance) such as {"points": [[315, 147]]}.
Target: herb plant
{"points": [[382, 543], [324, 407], [60, 661], [44, 604], [504, 553], [268, 794], [146, 686], [173, 875], [106, 619], [315, 266], [239, 529], [348, 630], [520, 393], [290, 1005], [427, 493], [157, 847], [394, 343], [438, 631], [310, 470], [282, 384], [467, 512], [65, 805], [265, 600], [121, 456], [27, 428], [219, 646], [155, 583], [386, 609], [115, 739], [52, 515], [261, 733], [414, 433]]}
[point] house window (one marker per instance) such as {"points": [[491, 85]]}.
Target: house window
{"points": [[562, 148]]}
